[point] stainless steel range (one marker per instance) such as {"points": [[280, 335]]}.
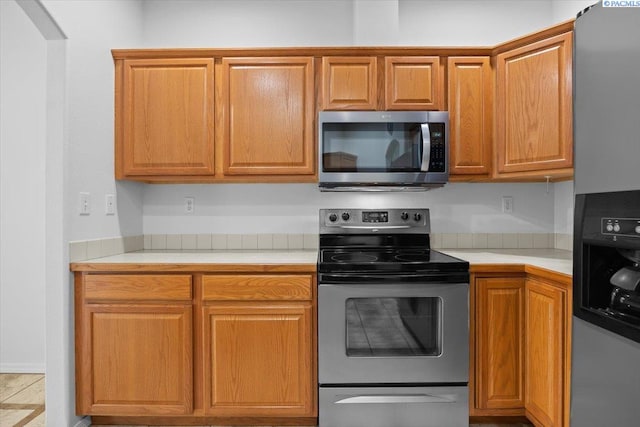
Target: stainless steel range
{"points": [[393, 323]]}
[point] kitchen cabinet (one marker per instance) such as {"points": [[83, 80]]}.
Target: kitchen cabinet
{"points": [[268, 116], [498, 332], [546, 368], [534, 109], [173, 124], [470, 86], [258, 345], [520, 344], [164, 111], [204, 344], [134, 353], [349, 83], [413, 83], [405, 83]]}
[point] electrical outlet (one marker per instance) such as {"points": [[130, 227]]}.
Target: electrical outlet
{"points": [[109, 204], [507, 204], [189, 205], [84, 204]]}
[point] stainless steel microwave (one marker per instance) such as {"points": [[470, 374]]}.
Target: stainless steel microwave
{"points": [[383, 150]]}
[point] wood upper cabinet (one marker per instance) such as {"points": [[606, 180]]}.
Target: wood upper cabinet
{"points": [[164, 117], [349, 83], [259, 356], [499, 346], [405, 83], [134, 352], [534, 109], [470, 115], [413, 83], [268, 116], [546, 372]]}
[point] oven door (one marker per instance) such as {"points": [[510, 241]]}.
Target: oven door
{"points": [[393, 333]]}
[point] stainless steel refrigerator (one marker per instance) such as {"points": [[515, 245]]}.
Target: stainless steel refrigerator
{"points": [[605, 385]]}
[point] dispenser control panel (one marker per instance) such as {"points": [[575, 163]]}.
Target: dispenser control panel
{"points": [[629, 227]]}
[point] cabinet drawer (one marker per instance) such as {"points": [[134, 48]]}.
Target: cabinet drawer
{"points": [[257, 287], [137, 287]]}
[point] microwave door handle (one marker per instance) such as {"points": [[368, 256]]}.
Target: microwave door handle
{"points": [[426, 147]]}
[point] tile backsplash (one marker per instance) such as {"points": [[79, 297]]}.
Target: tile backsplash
{"points": [[89, 249]]}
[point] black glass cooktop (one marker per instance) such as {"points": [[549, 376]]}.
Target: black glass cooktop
{"points": [[406, 260]]}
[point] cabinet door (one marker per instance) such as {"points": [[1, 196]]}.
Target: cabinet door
{"points": [[534, 98], [268, 116], [349, 83], [258, 359], [413, 83], [136, 360], [499, 343], [164, 117], [470, 115], [546, 352]]}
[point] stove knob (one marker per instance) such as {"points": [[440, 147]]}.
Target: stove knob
{"points": [[638, 229], [333, 217], [609, 227], [345, 216], [616, 227], [404, 216], [417, 216]]}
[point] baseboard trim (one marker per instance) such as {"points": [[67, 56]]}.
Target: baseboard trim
{"points": [[22, 368], [84, 422]]}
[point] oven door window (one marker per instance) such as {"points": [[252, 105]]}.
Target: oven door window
{"points": [[392, 327]]}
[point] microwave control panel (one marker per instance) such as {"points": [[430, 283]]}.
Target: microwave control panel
{"points": [[629, 227], [438, 157]]}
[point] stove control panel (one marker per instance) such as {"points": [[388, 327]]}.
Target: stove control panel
{"points": [[374, 220], [629, 227]]}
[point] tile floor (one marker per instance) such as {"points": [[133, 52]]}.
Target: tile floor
{"points": [[22, 400]]}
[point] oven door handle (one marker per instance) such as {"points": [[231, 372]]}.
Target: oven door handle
{"points": [[398, 398]]}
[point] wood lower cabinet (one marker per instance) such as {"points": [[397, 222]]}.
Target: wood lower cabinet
{"points": [[521, 344], [546, 368], [134, 353], [258, 346], [499, 346], [534, 109], [470, 117], [164, 117], [196, 347]]}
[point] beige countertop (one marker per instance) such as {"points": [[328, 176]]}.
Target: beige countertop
{"points": [[224, 260], [555, 260]]}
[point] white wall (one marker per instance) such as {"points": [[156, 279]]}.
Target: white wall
{"points": [[293, 208], [93, 28], [561, 10], [470, 22], [247, 23], [22, 191], [563, 207]]}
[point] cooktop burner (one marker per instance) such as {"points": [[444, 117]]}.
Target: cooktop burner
{"points": [[353, 257]]}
